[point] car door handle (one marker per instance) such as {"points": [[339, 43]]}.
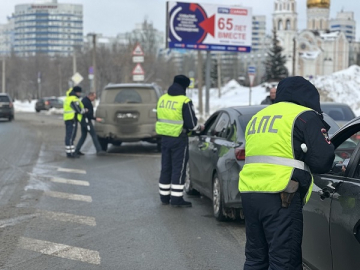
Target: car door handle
{"points": [[324, 193], [214, 150]]}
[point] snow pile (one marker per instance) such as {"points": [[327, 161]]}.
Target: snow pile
{"points": [[24, 106], [342, 86]]}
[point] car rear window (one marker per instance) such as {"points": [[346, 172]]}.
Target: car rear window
{"points": [[244, 120], [4, 99], [338, 112], [131, 95]]}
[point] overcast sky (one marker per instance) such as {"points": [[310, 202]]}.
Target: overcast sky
{"points": [[111, 17]]}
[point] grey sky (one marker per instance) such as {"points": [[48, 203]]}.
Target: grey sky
{"points": [[111, 17]]}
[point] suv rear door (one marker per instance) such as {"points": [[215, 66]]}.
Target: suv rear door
{"points": [[129, 106]]}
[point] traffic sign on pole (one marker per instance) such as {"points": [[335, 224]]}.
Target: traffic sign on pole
{"points": [[138, 51], [77, 78], [138, 70]]}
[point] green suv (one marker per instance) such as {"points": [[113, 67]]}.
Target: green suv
{"points": [[129, 114]]}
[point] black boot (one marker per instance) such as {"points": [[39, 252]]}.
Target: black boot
{"points": [[165, 199], [180, 202]]}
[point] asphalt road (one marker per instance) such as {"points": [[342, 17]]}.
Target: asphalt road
{"points": [[99, 212]]}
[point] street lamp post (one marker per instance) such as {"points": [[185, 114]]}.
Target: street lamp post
{"points": [[93, 84], [3, 75]]}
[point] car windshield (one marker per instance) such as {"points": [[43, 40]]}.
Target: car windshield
{"points": [[333, 125], [338, 112], [4, 99], [131, 95]]}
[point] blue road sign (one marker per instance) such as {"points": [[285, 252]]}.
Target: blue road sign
{"points": [[251, 70]]}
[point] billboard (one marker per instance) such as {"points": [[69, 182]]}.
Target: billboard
{"points": [[209, 27]]}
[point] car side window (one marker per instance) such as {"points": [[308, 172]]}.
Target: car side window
{"points": [[210, 126], [343, 154], [223, 128]]}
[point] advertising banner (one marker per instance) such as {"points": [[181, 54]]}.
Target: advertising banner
{"points": [[209, 27]]}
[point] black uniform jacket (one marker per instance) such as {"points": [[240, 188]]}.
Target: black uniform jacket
{"points": [[90, 108], [189, 118], [309, 129]]}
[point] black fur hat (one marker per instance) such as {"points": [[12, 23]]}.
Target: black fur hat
{"points": [[77, 89], [182, 80]]}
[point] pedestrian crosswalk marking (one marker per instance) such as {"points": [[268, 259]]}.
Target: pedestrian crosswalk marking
{"points": [[71, 170], [68, 196], [65, 217], [60, 250], [69, 181]]}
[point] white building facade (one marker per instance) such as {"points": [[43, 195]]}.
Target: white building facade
{"points": [[7, 37]]}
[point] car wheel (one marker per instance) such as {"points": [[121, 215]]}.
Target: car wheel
{"points": [[218, 205], [103, 143], [37, 110], [188, 186], [10, 118]]}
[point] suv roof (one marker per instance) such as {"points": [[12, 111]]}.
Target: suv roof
{"points": [[121, 85]]}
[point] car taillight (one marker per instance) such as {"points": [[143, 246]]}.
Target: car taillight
{"points": [[10, 105], [46, 102], [240, 153]]}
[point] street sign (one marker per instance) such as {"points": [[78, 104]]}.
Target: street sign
{"points": [[138, 59], [138, 51], [91, 70], [209, 27], [77, 78], [137, 78], [138, 70], [252, 74]]}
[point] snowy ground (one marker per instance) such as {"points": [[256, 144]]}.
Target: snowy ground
{"points": [[342, 86]]}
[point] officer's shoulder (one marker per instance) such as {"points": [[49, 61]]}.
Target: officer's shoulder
{"points": [[307, 115]]}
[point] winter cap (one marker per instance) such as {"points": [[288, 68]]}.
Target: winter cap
{"points": [[182, 80], [300, 91], [77, 89]]}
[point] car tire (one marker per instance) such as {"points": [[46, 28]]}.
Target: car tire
{"points": [[10, 118], [158, 146], [218, 204], [37, 110], [188, 186], [103, 143]]}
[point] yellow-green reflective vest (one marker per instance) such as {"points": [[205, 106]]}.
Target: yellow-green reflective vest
{"points": [[269, 155], [169, 115], [69, 113]]}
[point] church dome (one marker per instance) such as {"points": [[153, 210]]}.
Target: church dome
{"points": [[318, 3]]}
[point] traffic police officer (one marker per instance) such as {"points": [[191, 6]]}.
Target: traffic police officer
{"points": [[285, 143], [175, 118], [73, 111]]}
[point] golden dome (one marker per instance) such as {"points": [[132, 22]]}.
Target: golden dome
{"points": [[318, 3]]}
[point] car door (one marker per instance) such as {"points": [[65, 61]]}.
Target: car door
{"points": [[345, 204], [197, 144], [210, 150], [317, 245]]}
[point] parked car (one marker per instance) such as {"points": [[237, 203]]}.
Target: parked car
{"points": [[46, 103], [340, 112], [332, 215], [129, 114], [6, 107], [217, 155]]}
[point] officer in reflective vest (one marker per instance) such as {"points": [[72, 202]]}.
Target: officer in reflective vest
{"points": [[73, 112], [175, 118], [285, 143]]}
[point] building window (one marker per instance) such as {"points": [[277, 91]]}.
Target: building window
{"points": [[288, 25], [280, 25]]}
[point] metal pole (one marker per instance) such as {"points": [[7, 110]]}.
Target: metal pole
{"points": [[294, 57], [200, 81], [208, 82], [219, 74], [3, 75], [74, 61], [94, 64], [249, 95]]}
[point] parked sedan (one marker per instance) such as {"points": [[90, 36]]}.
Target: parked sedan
{"points": [[340, 112], [6, 107], [47, 103], [217, 155], [332, 215]]}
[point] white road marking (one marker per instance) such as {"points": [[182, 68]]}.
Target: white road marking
{"points": [[13, 221], [69, 181], [71, 170], [60, 250], [68, 196], [65, 217]]}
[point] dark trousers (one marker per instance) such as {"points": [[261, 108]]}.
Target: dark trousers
{"points": [[174, 158], [85, 128], [273, 233], [70, 134]]}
